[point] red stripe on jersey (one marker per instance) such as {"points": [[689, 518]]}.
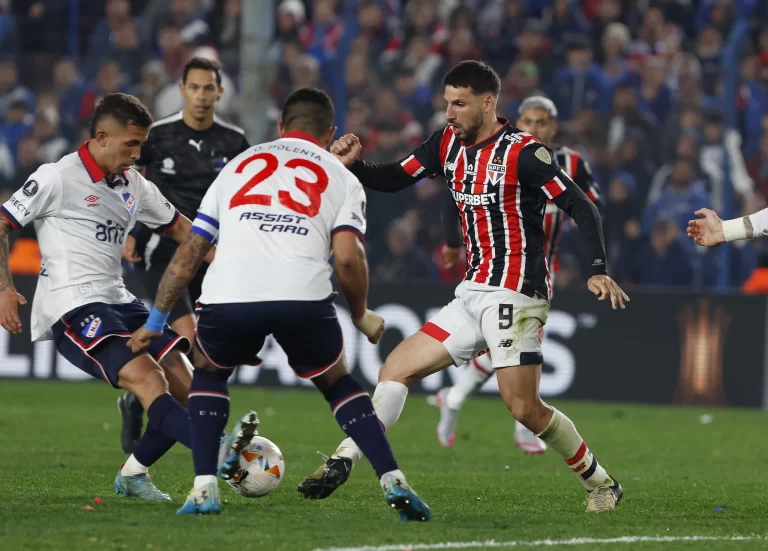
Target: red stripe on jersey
{"points": [[549, 225], [482, 216], [553, 188], [445, 145], [515, 235], [573, 162], [412, 166], [592, 194], [437, 333]]}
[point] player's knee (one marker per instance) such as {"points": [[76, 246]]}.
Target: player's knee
{"points": [[145, 378], [528, 412]]}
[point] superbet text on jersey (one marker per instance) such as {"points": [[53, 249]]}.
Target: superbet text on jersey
{"points": [[280, 201]]}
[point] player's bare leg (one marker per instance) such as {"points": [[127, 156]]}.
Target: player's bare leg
{"points": [[413, 359], [450, 401], [178, 372], [519, 388], [354, 412], [168, 424]]}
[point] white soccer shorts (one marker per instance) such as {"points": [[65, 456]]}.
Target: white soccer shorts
{"points": [[510, 324]]}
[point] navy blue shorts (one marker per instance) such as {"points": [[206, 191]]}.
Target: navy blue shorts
{"points": [[93, 338], [308, 332]]}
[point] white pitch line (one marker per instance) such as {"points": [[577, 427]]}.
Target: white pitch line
{"points": [[535, 543]]}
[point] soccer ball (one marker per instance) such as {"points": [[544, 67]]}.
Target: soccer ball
{"points": [[261, 468]]}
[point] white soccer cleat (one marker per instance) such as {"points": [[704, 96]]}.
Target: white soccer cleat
{"points": [[449, 420], [605, 498], [527, 441]]}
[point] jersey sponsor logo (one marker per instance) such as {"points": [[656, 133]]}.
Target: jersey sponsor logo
{"points": [[130, 202], [475, 198], [450, 166], [277, 223], [93, 329], [471, 170], [109, 233], [168, 166], [30, 188], [197, 145], [19, 206], [43, 271]]}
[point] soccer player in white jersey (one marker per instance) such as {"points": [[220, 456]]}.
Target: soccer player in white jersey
{"points": [[278, 210], [82, 207], [710, 230]]}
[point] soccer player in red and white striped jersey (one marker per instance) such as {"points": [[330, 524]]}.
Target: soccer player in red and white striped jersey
{"points": [[500, 178], [537, 115]]}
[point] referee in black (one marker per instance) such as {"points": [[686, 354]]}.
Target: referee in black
{"points": [[182, 156]]}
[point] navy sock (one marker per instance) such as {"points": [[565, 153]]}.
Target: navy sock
{"points": [[208, 414], [152, 445], [354, 412], [170, 418]]}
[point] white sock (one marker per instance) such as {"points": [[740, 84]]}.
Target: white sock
{"points": [[398, 474], [388, 402], [469, 381], [561, 435], [133, 467], [204, 480]]}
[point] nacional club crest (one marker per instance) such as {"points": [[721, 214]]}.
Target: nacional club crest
{"points": [[130, 202]]}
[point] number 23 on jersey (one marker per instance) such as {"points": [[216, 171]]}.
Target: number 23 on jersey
{"points": [[313, 190]]}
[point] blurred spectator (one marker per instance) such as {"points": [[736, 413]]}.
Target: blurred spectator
{"points": [[622, 212], [683, 193], [119, 37], [403, 261], [70, 88], [321, 35], [28, 160], [659, 259], [18, 123], [758, 166], [109, 80], [626, 117], [709, 50], [10, 88], [226, 34], [52, 145], [579, 85]]}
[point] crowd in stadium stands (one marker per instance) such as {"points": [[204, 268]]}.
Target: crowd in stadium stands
{"points": [[639, 86]]}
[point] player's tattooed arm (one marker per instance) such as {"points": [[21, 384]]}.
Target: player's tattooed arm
{"points": [[748, 227], [181, 270], [6, 281], [179, 232]]}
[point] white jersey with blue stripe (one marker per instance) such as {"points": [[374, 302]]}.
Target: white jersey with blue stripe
{"points": [[81, 221], [273, 211]]}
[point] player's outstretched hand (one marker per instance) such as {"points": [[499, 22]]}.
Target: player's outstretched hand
{"points": [[707, 230], [141, 339], [347, 149], [129, 250], [450, 256], [371, 325], [604, 287], [9, 310]]}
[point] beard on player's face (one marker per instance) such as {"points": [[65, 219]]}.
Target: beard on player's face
{"points": [[468, 131]]}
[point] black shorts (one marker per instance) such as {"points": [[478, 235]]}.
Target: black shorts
{"points": [[150, 281], [308, 332], [93, 338]]}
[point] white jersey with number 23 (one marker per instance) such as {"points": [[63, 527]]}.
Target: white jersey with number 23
{"points": [[272, 212]]}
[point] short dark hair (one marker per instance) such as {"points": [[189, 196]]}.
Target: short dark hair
{"points": [[124, 108], [205, 65], [478, 76], [310, 110]]}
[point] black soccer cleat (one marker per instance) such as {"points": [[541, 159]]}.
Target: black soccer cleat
{"points": [[132, 413], [329, 476]]}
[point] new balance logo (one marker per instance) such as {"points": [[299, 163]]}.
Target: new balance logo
{"points": [[505, 343]]}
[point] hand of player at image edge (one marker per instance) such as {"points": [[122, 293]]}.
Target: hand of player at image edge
{"points": [[347, 149], [9, 310], [141, 339], [450, 256], [129, 250], [371, 325], [707, 231], [604, 287]]}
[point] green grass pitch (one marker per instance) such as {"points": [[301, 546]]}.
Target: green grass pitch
{"points": [[59, 449]]}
